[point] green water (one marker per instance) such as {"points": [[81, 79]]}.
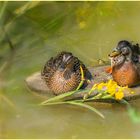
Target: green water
{"points": [[40, 30]]}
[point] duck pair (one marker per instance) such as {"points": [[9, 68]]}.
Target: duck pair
{"points": [[63, 72]]}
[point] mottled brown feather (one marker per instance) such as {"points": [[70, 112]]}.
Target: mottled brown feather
{"points": [[62, 73]]}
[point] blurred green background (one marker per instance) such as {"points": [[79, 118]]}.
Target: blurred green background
{"points": [[32, 32]]}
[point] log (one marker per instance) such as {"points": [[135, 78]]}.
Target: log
{"points": [[35, 83]]}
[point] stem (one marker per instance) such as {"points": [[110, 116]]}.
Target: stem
{"points": [[2, 10], [78, 104], [8, 39], [54, 103]]}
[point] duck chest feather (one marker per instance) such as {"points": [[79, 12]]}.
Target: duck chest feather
{"points": [[126, 74]]}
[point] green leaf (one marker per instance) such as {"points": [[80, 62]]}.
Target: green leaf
{"points": [[62, 96], [78, 103], [53, 103], [29, 5], [2, 10], [135, 116], [88, 107], [21, 11]]}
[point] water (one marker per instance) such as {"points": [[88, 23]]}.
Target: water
{"points": [[88, 29]]}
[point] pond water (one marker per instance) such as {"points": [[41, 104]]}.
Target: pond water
{"points": [[89, 30]]}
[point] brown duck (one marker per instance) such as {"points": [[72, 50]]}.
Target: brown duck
{"points": [[62, 73], [125, 63]]}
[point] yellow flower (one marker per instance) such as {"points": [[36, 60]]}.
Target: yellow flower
{"points": [[132, 92], [101, 86], [111, 88], [119, 95]]}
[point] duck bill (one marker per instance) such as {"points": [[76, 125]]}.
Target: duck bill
{"points": [[114, 53], [113, 56]]}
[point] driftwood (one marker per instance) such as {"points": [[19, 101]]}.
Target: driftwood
{"points": [[38, 85]]}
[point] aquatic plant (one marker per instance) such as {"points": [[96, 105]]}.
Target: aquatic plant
{"points": [[103, 90], [111, 89]]}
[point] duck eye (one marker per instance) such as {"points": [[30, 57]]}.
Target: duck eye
{"points": [[125, 51]]}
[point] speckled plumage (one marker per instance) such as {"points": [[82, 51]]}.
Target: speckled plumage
{"points": [[62, 73]]}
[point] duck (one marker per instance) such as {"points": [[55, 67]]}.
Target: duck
{"points": [[62, 73], [125, 64]]}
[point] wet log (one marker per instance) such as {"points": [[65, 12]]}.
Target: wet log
{"points": [[35, 83]]}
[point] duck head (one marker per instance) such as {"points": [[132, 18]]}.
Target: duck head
{"points": [[65, 60], [121, 54]]}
